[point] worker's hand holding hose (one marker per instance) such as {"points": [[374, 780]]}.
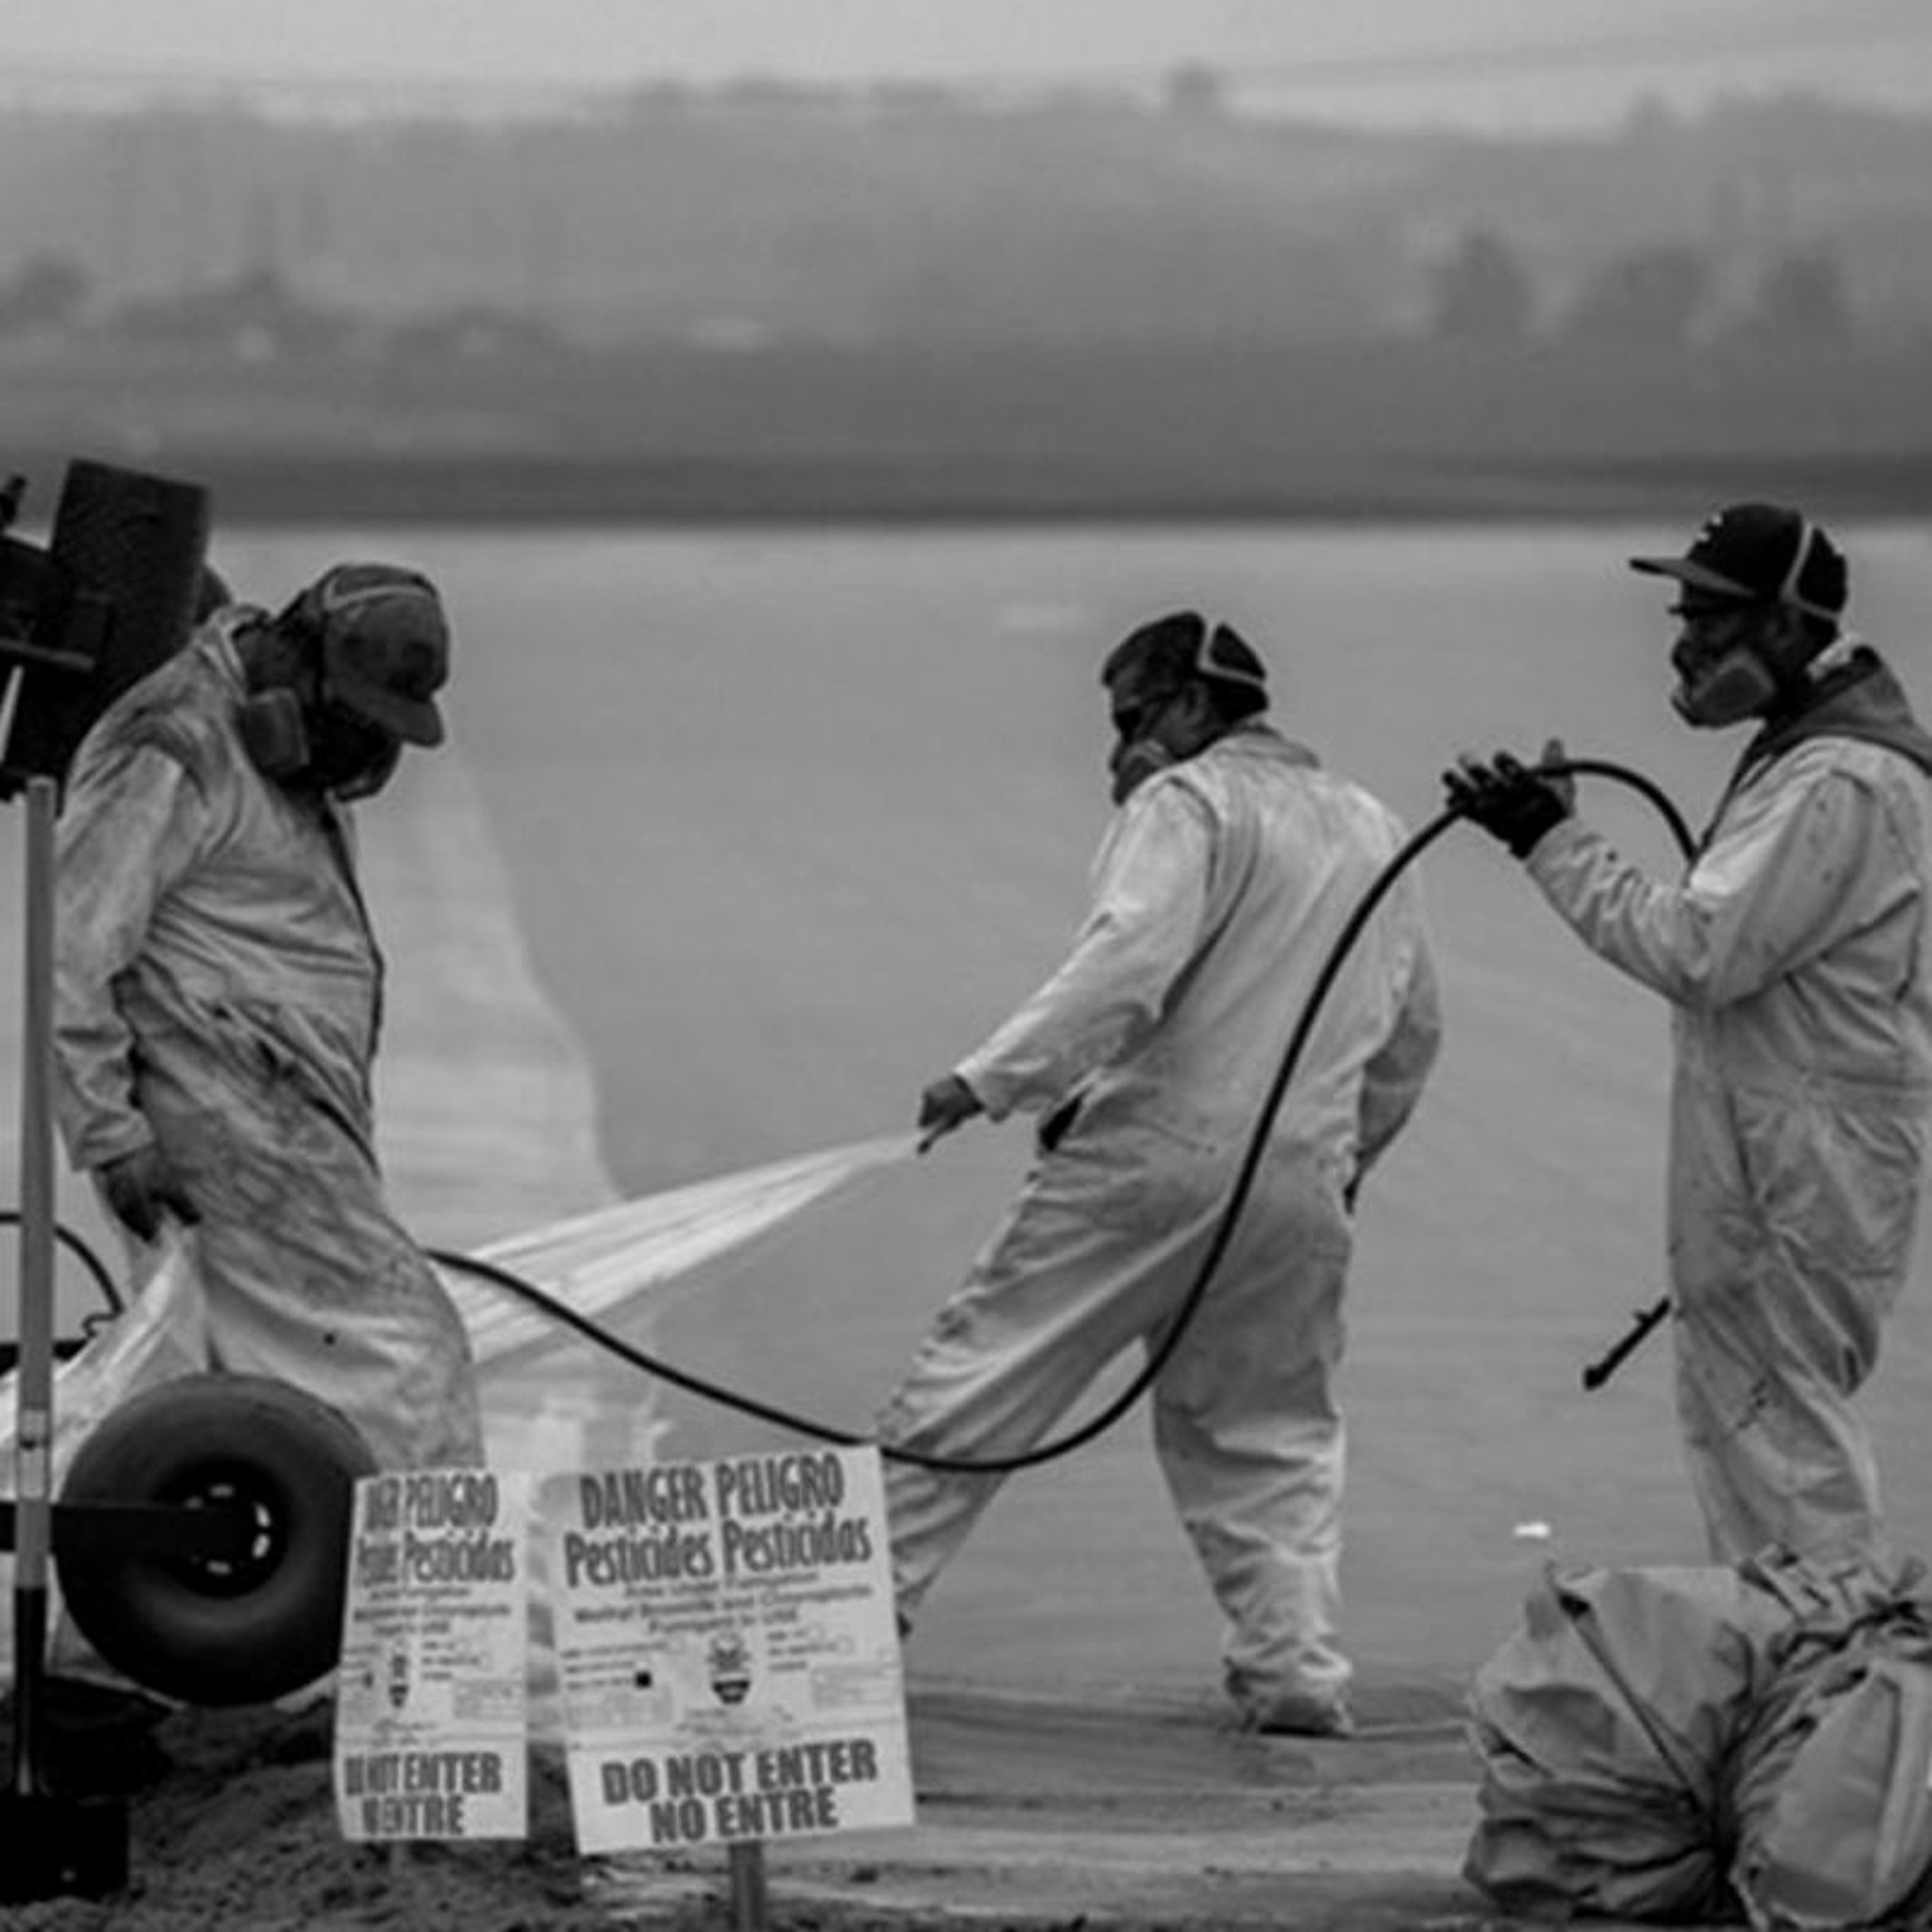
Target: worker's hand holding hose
{"points": [[946, 1103], [143, 1191], [1508, 800]]}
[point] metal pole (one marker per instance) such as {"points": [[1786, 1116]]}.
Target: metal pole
{"points": [[33, 1453], [750, 1901]]}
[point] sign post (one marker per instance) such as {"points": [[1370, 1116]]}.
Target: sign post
{"points": [[751, 1902]]}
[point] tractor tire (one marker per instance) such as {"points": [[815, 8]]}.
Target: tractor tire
{"points": [[211, 1632]]}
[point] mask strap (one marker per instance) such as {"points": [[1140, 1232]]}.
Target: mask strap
{"points": [[1800, 556], [1205, 665], [1839, 653]]}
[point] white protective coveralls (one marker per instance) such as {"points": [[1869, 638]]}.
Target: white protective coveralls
{"points": [[218, 992], [1220, 888], [1794, 953]]}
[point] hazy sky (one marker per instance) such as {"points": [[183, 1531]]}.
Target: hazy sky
{"points": [[1496, 62]]}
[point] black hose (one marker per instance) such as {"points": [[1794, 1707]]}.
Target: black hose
{"points": [[1600, 768], [1596, 1373], [561, 1312], [1159, 1356], [10, 1217]]}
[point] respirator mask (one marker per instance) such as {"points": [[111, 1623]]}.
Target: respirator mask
{"points": [[1741, 661], [1749, 637], [1139, 752], [348, 757], [346, 677], [1723, 676], [322, 745]]}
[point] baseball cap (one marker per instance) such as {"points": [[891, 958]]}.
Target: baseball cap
{"points": [[1761, 553], [1162, 656], [384, 646]]}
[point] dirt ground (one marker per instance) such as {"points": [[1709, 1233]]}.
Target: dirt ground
{"points": [[239, 1829], [1033, 1811]]}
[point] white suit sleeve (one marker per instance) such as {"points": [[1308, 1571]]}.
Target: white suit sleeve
{"points": [[1392, 1081], [128, 826], [1149, 896], [1759, 903]]}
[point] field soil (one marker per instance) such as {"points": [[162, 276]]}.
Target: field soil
{"points": [[1033, 1811]]}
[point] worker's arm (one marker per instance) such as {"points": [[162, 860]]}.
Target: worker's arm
{"points": [[1393, 1080], [1761, 901], [129, 826], [1149, 896]]}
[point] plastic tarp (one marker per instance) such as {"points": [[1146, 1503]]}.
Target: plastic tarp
{"points": [[552, 1399], [613, 1267], [1672, 1744], [1830, 1790]]}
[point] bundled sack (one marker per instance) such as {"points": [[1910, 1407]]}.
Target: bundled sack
{"points": [[1666, 1743], [1602, 1725], [1830, 1785]]}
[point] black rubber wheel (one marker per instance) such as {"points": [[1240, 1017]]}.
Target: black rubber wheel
{"points": [[221, 1632]]}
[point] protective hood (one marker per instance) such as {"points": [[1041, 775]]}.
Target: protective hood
{"points": [[1862, 699]]}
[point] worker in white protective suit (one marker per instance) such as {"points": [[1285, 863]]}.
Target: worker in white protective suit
{"points": [[1794, 953], [218, 993], [1224, 881]]}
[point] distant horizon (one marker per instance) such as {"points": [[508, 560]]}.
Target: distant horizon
{"points": [[1493, 66], [339, 98]]}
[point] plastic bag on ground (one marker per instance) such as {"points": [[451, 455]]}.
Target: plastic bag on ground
{"points": [[1660, 1744], [1831, 1796], [1601, 1724]]}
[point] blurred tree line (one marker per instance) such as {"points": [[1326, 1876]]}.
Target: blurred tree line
{"points": [[1658, 295], [763, 214]]}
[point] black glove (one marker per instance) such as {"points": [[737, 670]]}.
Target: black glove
{"points": [[143, 1190], [946, 1102], [1508, 800]]}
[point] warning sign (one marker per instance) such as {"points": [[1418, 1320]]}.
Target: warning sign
{"points": [[432, 1714], [727, 1651]]}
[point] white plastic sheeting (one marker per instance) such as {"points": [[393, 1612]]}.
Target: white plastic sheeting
{"points": [[554, 1400], [613, 1267]]}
